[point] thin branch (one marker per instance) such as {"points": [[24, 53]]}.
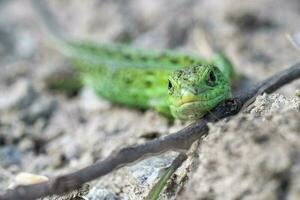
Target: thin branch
{"points": [[180, 140], [161, 183]]}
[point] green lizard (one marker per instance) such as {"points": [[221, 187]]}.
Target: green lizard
{"points": [[176, 84], [180, 85]]}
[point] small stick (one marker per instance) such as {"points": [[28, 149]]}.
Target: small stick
{"points": [[159, 186], [180, 140]]}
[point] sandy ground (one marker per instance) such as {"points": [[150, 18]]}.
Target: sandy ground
{"points": [[255, 155]]}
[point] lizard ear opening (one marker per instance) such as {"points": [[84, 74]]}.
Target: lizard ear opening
{"points": [[170, 87]]}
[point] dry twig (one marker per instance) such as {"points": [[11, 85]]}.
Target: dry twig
{"points": [[180, 140]]}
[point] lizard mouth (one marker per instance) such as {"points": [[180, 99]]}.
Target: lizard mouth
{"points": [[198, 101], [191, 99], [195, 108]]}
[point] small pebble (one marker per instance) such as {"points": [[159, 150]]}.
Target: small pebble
{"points": [[19, 96], [42, 108], [25, 178], [10, 155], [96, 194]]}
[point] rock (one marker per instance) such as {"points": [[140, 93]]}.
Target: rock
{"points": [[269, 105], [11, 133], [61, 78], [90, 102], [26, 144], [146, 172], [10, 155], [19, 96], [25, 178], [26, 45], [253, 156], [7, 44], [101, 194], [41, 109], [135, 181]]}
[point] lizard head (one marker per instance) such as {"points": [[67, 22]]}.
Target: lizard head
{"points": [[195, 90]]}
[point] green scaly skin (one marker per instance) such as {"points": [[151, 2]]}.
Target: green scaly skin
{"points": [[175, 84]]}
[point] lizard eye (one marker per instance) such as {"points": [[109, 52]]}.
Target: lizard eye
{"points": [[211, 79]]}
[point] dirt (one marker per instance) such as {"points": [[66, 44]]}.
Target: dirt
{"points": [[254, 155]]}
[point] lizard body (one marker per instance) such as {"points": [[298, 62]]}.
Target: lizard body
{"points": [[175, 84], [182, 85]]}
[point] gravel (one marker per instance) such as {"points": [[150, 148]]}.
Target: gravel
{"points": [[254, 155]]}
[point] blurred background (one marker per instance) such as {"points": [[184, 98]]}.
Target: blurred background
{"points": [[50, 132], [244, 29]]}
